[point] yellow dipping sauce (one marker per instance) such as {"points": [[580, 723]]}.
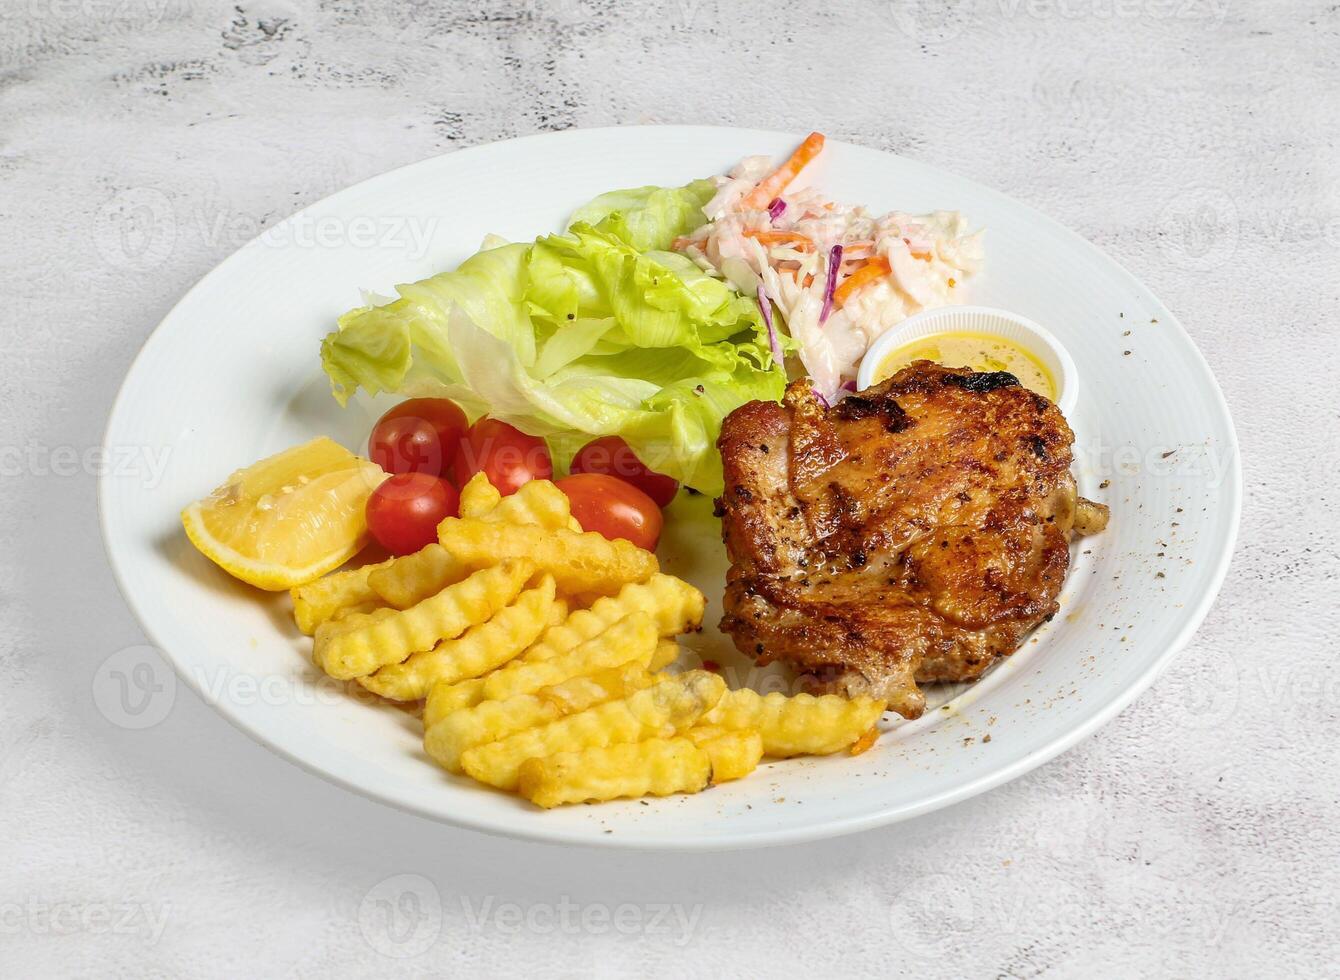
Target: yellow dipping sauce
{"points": [[979, 351]]}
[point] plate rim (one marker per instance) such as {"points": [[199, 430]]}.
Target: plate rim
{"points": [[829, 827]]}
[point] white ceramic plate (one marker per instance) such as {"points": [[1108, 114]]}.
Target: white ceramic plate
{"points": [[232, 374]]}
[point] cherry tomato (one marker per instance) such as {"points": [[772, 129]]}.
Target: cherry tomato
{"points": [[421, 435], [612, 456], [614, 508], [404, 511], [506, 455]]}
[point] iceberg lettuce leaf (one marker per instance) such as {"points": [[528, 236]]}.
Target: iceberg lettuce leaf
{"points": [[648, 218], [597, 331]]}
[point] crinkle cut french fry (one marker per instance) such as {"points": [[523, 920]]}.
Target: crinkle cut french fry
{"points": [[676, 606], [350, 618], [474, 653], [800, 725], [631, 639], [318, 601], [409, 580], [657, 767], [654, 712], [578, 562], [665, 654], [582, 692], [537, 502], [358, 652], [361, 609], [734, 754], [703, 732], [485, 722], [479, 496], [489, 721], [445, 699]]}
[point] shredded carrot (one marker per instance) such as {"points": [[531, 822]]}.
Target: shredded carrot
{"points": [[855, 252], [776, 182], [866, 274], [801, 242]]}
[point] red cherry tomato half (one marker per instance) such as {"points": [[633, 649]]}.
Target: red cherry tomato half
{"points": [[612, 456], [421, 435], [404, 511], [506, 455], [614, 508]]}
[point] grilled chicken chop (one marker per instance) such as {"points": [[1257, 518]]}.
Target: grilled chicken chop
{"points": [[916, 531]]}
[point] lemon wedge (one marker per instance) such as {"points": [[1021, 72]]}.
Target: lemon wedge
{"points": [[288, 519]]}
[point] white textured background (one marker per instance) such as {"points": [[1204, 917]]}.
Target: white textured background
{"points": [[1195, 140]]}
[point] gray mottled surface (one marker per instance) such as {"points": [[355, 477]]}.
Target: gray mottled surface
{"points": [[1195, 140]]}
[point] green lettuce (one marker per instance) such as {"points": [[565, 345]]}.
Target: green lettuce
{"points": [[597, 331], [648, 218]]}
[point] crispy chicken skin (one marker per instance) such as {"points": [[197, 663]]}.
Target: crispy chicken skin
{"points": [[916, 531]]}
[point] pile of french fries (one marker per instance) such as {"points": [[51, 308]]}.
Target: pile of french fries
{"points": [[544, 657]]}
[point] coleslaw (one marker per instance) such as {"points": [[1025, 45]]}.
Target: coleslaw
{"points": [[838, 276]]}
